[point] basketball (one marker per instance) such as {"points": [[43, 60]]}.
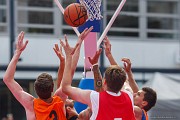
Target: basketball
{"points": [[75, 14]]}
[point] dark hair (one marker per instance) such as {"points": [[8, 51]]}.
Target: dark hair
{"points": [[115, 77], [150, 96], [44, 86]]}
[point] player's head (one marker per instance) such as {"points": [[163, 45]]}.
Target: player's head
{"points": [[145, 98], [69, 102], [70, 110], [114, 77], [44, 86]]}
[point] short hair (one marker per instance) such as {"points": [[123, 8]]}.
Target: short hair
{"points": [[150, 96], [44, 86], [115, 77]]}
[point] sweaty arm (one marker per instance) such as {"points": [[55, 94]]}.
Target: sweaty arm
{"points": [[60, 55], [96, 71], [23, 97], [97, 78], [77, 94], [107, 49], [132, 82], [58, 51]]}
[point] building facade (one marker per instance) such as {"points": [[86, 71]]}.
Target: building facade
{"points": [[146, 31]]}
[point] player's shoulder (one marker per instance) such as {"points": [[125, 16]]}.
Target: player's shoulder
{"points": [[138, 112]]}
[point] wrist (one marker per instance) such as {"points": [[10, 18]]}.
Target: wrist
{"points": [[108, 54], [17, 52], [62, 61], [129, 72], [94, 66]]}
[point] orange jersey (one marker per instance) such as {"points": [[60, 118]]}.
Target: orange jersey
{"points": [[49, 111]]}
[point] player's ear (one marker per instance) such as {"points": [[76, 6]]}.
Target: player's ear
{"points": [[68, 108], [144, 103]]}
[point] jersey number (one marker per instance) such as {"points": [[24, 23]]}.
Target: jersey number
{"points": [[53, 113]]}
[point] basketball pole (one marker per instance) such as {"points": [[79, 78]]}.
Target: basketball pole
{"points": [[110, 22], [62, 10]]}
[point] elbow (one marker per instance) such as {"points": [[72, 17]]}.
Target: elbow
{"points": [[5, 79], [66, 90]]}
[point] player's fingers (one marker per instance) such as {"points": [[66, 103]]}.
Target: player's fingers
{"points": [[62, 43], [56, 47], [90, 60], [55, 51], [74, 49], [89, 30], [66, 40], [100, 50], [21, 37], [61, 48], [26, 43]]}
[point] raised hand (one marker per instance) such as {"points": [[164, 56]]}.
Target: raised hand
{"points": [[20, 46], [127, 64], [67, 48], [58, 51], [127, 68], [107, 50], [107, 46], [83, 35], [95, 59]]}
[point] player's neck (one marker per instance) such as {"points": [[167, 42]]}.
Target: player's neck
{"points": [[49, 100]]}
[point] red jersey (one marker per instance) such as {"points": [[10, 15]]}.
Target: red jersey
{"points": [[115, 107], [49, 111]]}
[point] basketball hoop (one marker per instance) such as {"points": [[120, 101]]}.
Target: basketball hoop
{"points": [[93, 9]]}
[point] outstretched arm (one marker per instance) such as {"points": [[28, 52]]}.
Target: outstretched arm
{"points": [[76, 55], [75, 58], [107, 49], [132, 82], [24, 98], [73, 92], [96, 71], [60, 55]]}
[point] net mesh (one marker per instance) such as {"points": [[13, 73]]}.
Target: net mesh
{"points": [[93, 9]]}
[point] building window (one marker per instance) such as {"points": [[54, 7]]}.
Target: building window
{"points": [[130, 6], [38, 16], [127, 22], [3, 16], [40, 3], [167, 7], [162, 23], [162, 19]]}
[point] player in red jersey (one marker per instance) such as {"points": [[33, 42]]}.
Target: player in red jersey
{"points": [[113, 98]]}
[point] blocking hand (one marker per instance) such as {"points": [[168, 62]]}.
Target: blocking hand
{"points": [[67, 48], [59, 52], [95, 59], [83, 35], [107, 46], [20, 46], [127, 64]]}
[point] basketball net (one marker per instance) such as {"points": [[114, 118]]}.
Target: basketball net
{"points": [[93, 9]]}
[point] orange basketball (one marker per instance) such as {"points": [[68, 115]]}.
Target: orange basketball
{"points": [[75, 14]]}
